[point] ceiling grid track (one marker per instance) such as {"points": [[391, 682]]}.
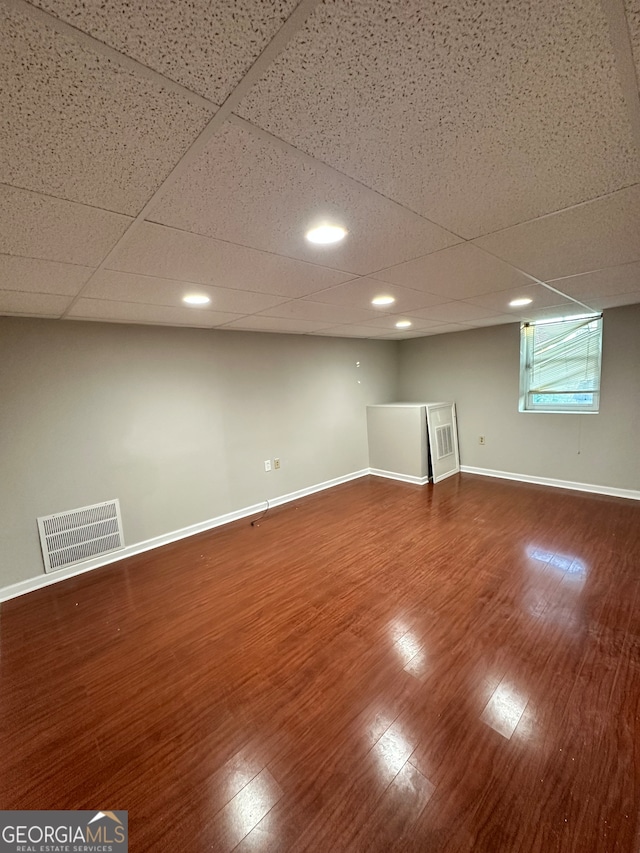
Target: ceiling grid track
{"points": [[277, 43], [264, 116], [539, 281], [331, 172], [94, 45], [615, 14]]}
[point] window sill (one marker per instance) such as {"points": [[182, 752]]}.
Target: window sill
{"points": [[559, 412]]}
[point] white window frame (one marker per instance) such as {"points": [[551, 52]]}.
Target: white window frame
{"points": [[526, 403]]}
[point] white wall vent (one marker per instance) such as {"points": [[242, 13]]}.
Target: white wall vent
{"points": [[79, 534], [444, 441]]}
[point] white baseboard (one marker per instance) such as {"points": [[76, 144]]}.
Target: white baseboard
{"points": [[310, 490], [39, 581], [404, 478], [612, 491]]}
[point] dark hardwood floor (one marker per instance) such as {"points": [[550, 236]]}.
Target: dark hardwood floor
{"points": [[379, 667]]}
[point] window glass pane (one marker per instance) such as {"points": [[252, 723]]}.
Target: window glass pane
{"points": [[560, 365]]}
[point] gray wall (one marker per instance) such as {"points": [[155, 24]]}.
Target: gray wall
{"points": [[479, 369], [175, 422]]}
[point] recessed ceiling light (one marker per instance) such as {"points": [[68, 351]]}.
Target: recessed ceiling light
{"points": [[517, 303], [196, 299], [383, 300], [403, 324], [325, 234]]}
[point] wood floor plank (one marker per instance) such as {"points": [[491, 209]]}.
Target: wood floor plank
{"points": [[380, 667]]}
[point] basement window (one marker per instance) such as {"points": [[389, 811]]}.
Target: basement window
{"points": [[560, 365]]}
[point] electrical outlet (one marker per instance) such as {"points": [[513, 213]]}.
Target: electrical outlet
{"points": [[481, 439], [276, 463], [267, 464]]}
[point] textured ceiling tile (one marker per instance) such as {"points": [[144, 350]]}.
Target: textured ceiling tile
{"points": [[569, 309], [361, 291], [389, 322], [303, 309], [473, 113], [127, 287], [457, 273], [38, 304], [206, 46], [602, 233], [540, 296], [603, 302], [441, 329], [453, 312], [275, 324], [606, 282], [496, 320], [35, 276], [272, 196], [633, 17], [167, 253], [80, 127], [37, 226], [350, 331], [133, 312]]}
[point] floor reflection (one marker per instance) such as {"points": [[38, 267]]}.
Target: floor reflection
{"points": [[391, 751], [566, 563], [409, 648], [250, 805], [504, 709], [552, 591]]}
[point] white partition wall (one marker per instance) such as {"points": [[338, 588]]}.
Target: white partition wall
{"points": [[414, 442], [397, 435]]}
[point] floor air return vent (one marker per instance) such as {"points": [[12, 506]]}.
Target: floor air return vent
{"points": [[79, 534]]}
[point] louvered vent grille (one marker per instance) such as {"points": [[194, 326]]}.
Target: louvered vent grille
{"points": [[444, 441], [73, 536]]}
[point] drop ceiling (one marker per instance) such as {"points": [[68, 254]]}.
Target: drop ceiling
{"points": [[476, 152]]}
